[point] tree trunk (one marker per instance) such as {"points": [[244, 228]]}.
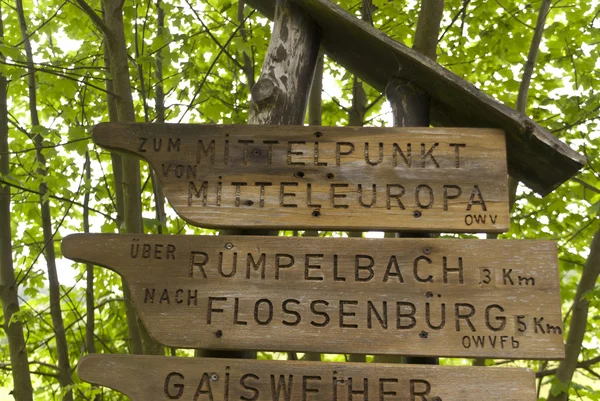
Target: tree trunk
{"points": [[428, 27], [90, 343], [578, 325], [159, 101], [522, 105], [248, 63], [532, 56], [410, 104], [133, 329], [526, 81], [89, 269], [315, 97], [159, 92], [116, 159], [356, 114], [64, 374], [119, 68], [22, 389]]}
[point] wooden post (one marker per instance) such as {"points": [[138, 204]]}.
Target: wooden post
{"points": [[411, 104], [280, 95]]}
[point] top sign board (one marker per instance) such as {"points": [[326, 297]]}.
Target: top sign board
{"points": [[296, 177]]}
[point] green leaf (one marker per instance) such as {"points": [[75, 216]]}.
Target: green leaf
{"points": [[10, 51], [145, 60]]}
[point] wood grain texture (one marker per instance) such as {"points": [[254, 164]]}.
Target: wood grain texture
{"points": [[496, 299], [156, 378], [281, 93], [299, 177], [535, 156]]}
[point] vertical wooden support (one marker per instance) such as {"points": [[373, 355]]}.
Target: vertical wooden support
{"points": [[280, 95], [410, 108], [410, 104]]}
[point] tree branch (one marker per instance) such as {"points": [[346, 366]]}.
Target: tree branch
{"points": [[42, 25], [578, 325], [212, 65], [60, 198], [533, 52], [6, 366], [213, 37], [85, 7], [585, 184], [582, 364]]}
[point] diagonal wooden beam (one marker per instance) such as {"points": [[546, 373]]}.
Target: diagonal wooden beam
{"points": [[535, 156]]}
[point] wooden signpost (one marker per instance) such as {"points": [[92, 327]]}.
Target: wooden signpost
{"points": [[419, 297], [410, 179], [430, 297], [154, 378]]}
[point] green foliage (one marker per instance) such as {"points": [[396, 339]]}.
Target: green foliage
{"points": [[485, 42]]}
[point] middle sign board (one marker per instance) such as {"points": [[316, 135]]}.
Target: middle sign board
{"points": [[434, 297], [296, 177]]}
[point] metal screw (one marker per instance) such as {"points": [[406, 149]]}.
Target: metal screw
{"points": [[417, 214], [218, 333], [214, 377], [423, 334], [256, 152], [229, 245], [426, 250]]}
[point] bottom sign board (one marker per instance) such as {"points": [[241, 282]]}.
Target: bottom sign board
{"points": [[437, 297], [154, 378]]}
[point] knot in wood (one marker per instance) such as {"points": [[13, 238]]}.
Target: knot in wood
{"points": [[264, 90], [280, 53]]}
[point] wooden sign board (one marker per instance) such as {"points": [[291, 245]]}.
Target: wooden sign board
{"points": [[296, 177], [435, 297], [159, 378]]}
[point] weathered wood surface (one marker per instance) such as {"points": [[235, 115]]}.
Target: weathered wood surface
{"points": [[440, 297], [535, 156], [411, 179], [280, 95], [157, 378]]}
